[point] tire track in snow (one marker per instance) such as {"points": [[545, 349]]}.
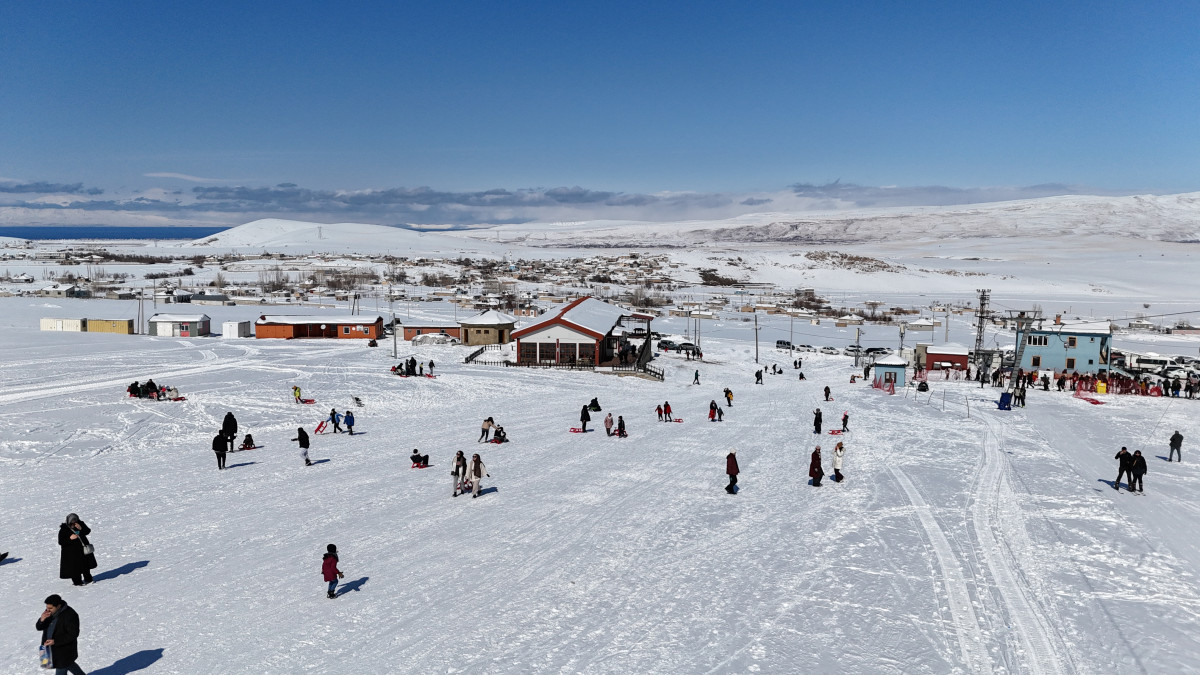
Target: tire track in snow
{"points": [[966, 623], [1031, 627]]}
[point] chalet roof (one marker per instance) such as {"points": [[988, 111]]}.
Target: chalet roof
{"points": [[1087, 327], [589, 315], [301, 319], [950, 348], [178, 318], [489, 318], [891, 360]]}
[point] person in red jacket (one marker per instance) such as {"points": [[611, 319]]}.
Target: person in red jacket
{"points": [[667, 411], [814, 468], [731, 468], [330, 571]]}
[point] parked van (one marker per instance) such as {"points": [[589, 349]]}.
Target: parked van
{"points": [[783, 344]]}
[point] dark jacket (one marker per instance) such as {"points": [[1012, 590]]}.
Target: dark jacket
{"points": [[302, 437], [329, 568], [1177, 440], [817, 418], [1139, 465], [731, 466], [348, 419], [1126, 460], [814, 467], [584, 415], [65, 649], [229, 426], [72, 562], [220, 443]]}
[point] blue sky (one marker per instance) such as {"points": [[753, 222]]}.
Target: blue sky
{"points": [[631, 98]]}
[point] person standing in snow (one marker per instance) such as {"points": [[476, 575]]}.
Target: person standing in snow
{"points": [[728, 397], [349, 420], [1125, 468], [817, 421], [696, 378], [421, 369], [296, 393], [758, 376], [838, 451], [667, 411], [229, 427], [483, 430], [608, 424], [302, 437], [1176, 446], [658, 410], [827, 394], [845, 421], [476, 470], [731, 468], [1137, 470], [720, 414], [431, 367], [76, 558], [584, 418], [59, 625], [220, 445], [330, 571], [459, 473], [621, 427], [814, 468], [712, 410], [335, 419]]}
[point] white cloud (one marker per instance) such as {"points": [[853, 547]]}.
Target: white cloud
{"points": [[184, 176]]}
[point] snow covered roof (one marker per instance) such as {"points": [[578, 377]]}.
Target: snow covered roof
{"points": [[300, 319], [920, 323], [178, 318], [1089, 327], [891, 360], [592, 316], [489, 318], [852, 317], [948, 348]]}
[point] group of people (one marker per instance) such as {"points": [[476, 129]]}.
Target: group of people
{"points": [[664, 412], [222, 443], [338, 419], [608, 426], [150, 390], [498, 433], [468, 474], [411, 368]]}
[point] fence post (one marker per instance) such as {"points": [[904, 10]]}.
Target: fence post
{"points": [[968, 405], [943, 400]]}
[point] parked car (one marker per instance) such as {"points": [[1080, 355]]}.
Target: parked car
{"points": [[877, 351], [655, 335], [853, 350], [806, 348], [783, 344], [1172, 373], [666, 344], [829, 350], [686, 347]]}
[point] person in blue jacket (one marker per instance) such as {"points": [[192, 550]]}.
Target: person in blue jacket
{"points": [[349, 420]]}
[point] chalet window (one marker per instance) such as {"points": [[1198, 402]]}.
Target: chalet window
{"points": [[528, 352], [345, 330], [1036, 362], [587, 353], [1070, 364], [1071, 341], [1037, 340]]}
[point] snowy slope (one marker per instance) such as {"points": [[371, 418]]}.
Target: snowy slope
{"points": [[962, 541], [278, 235]]}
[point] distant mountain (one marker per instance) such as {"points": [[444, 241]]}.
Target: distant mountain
{"points": [[275, 234]]}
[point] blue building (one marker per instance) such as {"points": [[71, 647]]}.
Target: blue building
{"points": [[890, 370], [1073, 346]]}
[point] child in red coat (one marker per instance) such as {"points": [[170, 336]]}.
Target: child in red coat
{"points": [[329, 569]]}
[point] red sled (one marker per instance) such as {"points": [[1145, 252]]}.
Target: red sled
{"points": [[248, 447], [432, 377], [835, 432], [677, 419], [420, 466], [321, 427], [576, 430], [309, 401], [179, 398]]}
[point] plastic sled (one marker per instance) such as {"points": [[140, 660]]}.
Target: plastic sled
{"points": [[420, 466], [677, 419], [835, 432], [309, 401], [179, 398], [321, 428], [248, 447], [495, 441], [432, 377], [576, 430]]}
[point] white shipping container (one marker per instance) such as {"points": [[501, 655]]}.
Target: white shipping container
{"points": [[72, 325], [235, 329]]}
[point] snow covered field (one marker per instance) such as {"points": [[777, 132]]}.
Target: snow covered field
{"points": [[962, 541]]}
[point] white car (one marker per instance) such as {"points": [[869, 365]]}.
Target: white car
{"points": [[830, 350], [805, 348]]}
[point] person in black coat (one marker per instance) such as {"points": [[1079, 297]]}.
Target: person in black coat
{"points": [[220, 445], [817, 421], [302, 437], [1176, 446], [59, 626], [229, 426], [74, 563], [1137, 470], [584, 418], [1125, 468]]}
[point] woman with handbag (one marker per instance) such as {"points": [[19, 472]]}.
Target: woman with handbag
{"points": [[78, 558]]}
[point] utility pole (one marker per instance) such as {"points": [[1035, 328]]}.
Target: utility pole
{"points": [[791, 334], [756, 337], [946, 338], [981, 317], [857, 343]]}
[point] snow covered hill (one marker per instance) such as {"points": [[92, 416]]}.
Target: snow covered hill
{"points": [[290, 236], [963, 540]]}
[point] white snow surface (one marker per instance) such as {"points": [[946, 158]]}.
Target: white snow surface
{"points": [[964, 539]]}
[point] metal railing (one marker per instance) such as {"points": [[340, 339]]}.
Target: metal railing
{"points": [[475, 354]]}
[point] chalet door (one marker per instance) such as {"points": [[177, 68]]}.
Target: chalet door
{"points": [[176, 330], [58, 325]]}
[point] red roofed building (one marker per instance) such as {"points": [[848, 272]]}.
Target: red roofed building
{"points": [[581, 332]]}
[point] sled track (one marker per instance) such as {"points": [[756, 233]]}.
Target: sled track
{"points": [[1030, 626], [966, 623]]}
